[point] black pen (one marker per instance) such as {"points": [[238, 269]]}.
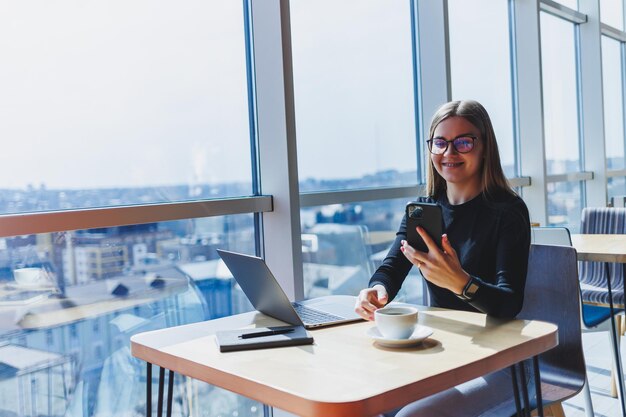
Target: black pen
{"points": [[265, 333]]}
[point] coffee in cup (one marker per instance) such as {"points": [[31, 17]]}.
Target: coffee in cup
{"points": [[28, 277], [396, 322]]}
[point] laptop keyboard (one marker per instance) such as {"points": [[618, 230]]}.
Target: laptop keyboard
{"points": [[311, 316]]}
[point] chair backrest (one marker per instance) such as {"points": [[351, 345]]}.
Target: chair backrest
{"points": [[602, 220], [550, 236], [552, 294]]}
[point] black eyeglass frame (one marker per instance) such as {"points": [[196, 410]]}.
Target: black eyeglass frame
{"points": [[451, 141]]}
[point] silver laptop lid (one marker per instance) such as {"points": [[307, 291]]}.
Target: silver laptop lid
{"points": [[260, 286]]}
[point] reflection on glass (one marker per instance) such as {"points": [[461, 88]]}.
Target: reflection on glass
{"points": [[613, 103], [354, 94], [617, 187], [110, 103], [560, 110], [95, 290], [612, 13], [343, 244], [484, 73], [564, 204]]}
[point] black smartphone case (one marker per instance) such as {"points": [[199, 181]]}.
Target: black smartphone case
{"points": [[428, 216]]}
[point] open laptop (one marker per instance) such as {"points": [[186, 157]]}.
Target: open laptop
{"points": [[260, 286]]}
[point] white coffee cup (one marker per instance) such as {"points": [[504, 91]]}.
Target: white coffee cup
{"points": [[29, 277], [396, 322]]}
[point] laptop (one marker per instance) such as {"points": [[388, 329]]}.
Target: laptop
{"points": [[260, 286]]}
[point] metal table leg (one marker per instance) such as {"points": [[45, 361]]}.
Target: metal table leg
{"points": [[618, 360], [522, 372], [538, 386], [160, 399], [518, 405], [149, 390], [170, 393]]}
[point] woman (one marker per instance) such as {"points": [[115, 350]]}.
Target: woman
{"points": [[486, 240], [482, 266]]}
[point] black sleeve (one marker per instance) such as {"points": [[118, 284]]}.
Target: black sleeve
{"points": [[504, 298], [395, 267]]}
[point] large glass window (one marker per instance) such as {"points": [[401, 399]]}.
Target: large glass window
{"points": [[343, 244], [560, 118], [117, 103], [560, 97], [69, 303], [612, 13], [613, 94], [354, 93], [484, 73]]}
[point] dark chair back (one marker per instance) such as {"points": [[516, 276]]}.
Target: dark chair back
{"points": [[552, 294]]}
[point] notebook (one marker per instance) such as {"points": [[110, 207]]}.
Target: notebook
{"points": [[260, 286], [232, 340]]}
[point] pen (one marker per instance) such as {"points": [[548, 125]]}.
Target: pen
{"points": [[265, 333]]}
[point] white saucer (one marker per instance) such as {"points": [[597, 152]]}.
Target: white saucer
{"points": [[418, 336]]}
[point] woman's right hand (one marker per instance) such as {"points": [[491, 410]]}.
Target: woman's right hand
{"points": [[370, 300]]}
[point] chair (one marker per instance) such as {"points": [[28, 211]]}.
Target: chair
{"points": [[602, 220], [552, 294]]}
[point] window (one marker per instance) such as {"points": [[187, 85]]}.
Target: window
{"points": [[107, 105], [612, 13], [561, 121], [613, 93], [560, 97], [112, 104], [354, 94], [484, 73], [343, 244], [178, 280]]}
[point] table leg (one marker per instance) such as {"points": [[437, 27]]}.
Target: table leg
{"points": [[518, 405], [616, 333], [522, 373], [170, 393], [160, 399], [538, 386], [149, 390]]}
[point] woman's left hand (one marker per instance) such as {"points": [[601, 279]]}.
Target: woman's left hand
{"points": [[442, 268]]}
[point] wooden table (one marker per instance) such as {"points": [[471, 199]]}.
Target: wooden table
{"points": [[600, 248], [345, 373], [606, 248]]}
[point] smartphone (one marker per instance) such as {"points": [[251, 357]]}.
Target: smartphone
{"points": [[428, 216]]}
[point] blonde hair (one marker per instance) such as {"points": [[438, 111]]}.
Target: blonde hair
{"points": [[492, 176]]}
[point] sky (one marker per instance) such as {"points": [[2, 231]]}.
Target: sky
{"points": [[116, 93]]}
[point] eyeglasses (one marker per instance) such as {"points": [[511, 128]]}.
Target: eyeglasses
{"points": [[462, 144]]}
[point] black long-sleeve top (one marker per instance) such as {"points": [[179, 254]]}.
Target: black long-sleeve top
{"points": [[491, 236]]}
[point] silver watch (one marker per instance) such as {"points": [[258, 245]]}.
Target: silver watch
{"points": [[469, 291]]}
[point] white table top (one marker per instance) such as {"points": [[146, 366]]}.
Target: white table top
{"points": [[600, 248], [345, 372]]}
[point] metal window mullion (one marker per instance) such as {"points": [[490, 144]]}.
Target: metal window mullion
{"points": [[417, 94], [623, 74], [434, 57], [529, 104], [613, 33], [252, 120], [616, 173], [355, 196], [570, 177], [275, 111], [563, 12], [591, 111], [57, 221]]}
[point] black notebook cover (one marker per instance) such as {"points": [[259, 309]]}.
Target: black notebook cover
{"points": [[230, 340]]}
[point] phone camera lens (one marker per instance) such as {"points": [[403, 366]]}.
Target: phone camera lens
{"points": [[416, 213]]}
